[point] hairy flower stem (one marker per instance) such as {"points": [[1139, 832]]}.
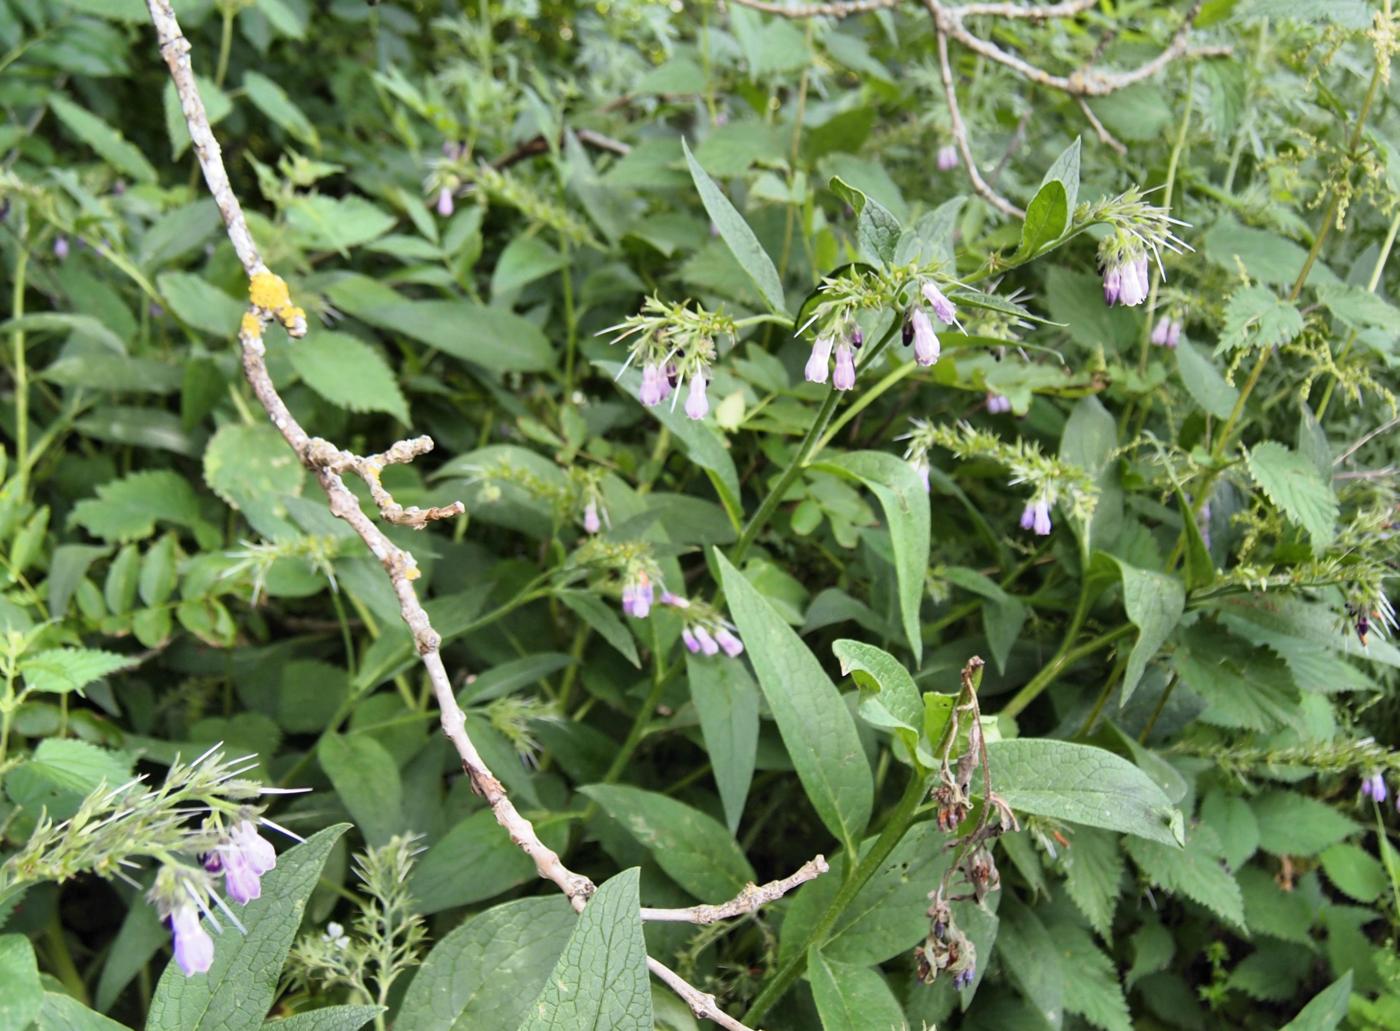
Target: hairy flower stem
{"points": [[899, 822], [804, 452]]}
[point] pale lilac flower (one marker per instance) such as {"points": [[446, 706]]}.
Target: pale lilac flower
{"points": [[256, 849], [947, 157], [920, 465], [707, 643], [1112, 284], [1373, 787], [629, 598], [1174, 333], [696, 403], [1037, 517], [820, 357], [733, 647], [637, 595], [844, 378], [651, 391], [194, 949], [244, 858], [963, 979], [60, 248], [943, 309], [667, 379], [1160, 331], [240, 882], [692, 643], [444, 202], [926, 349], [997, 403], [591, 522], [674, 600]]}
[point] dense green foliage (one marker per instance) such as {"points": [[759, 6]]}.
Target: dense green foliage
{"points": [[1165, 524]]}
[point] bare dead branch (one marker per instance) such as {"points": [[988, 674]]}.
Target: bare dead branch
{"points": [[752, 898], [1105, 136], [832, 10], [1066, 9], [702, 1004]]}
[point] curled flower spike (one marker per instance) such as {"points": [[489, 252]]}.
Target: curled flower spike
{"points": [[707, 643], [844, 378], [444, 202], [733, 647], [947, 157], [943, 309], [591, 522], [997, 404], [1037, 517], [1373, 787], [696, 403], [653, 385], [817, 363], [194, 949], [926, 349]]}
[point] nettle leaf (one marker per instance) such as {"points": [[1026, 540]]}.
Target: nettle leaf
{"points": [[600, 983], [60, 670], [337, 223], [128, 509], [1257, 318], [1154, 603], [487, 970], [1295, 486], [1032, 961], [692, 848], [1195, 871], [814, 722], [1084, 785], [906, 507], [239, 988], [346, 371], [877, 231], [1093, 872], [736, 233], [851, 998], [1267, 257], [726, 699], [1292, 824], [1092, 988]]}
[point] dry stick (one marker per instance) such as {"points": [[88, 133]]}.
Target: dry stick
{"points": [[747, 901], [327, 462], [833, 10], [1105, 136], [1067, 9]]}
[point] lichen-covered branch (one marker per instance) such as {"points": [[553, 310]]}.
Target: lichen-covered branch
{"points": [[270, 301], [751, 899]]}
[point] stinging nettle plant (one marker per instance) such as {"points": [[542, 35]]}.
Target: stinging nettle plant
{"points": [[760, 434]]}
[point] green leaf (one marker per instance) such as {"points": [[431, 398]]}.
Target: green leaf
{"points": [[743, 244], [726, 699], [337, 223], [814, 722], [1046, 218], [1065, 171], [129, 508], [201, 304], [141, 935], [1233, 822], [346, 371], [889, 698], [21, 993], [327, 1018], [906, 507], [887, 916], [1029, 956], [64, 1013], [1093, 873], [60, 322], [877, 231], [1153, 948], [61, 771], [600, 982], [1154, 603], [1267, 257], [473, 861], [60, 670], [251, 467], [239, 988], [1295, 486], [851, 998], [524, 260], [1327, 1009], [273, 102], [1092, 989], [1243, 687], [1292, 824], [1354, 871], [159, 571], [1082, 785], [1257, 318], [603, 619], [110, 145], [366, 778], [1194, 871], [485, 973], [692, 848], [1203, 381]]}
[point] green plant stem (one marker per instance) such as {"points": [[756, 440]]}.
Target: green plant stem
{"points": [[895, 828], [21, 370], [1158, 710], [804, 453], [1063, 659], [61, 961], [866, 399], [225, 45], [1109, 683], [639, 725], [570, 323]]}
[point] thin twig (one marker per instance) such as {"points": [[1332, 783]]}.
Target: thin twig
{"points": [[270, 302], [1105, 136], [832, 10], [1067, 9], [749, 900], [1385, 427]]}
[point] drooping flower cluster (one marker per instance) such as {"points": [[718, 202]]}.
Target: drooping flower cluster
{"points": [[947, 157], [1167, 332], [1141, 232], [704, 632], [1037, 516], [243, 857], [1373, 787], [638, 593], [844, 377], [675, 348], [997, 404], [919, 327]]}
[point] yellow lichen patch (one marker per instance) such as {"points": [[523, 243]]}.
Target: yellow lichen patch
{"points": [[268, 290], [289, 315], [412, 573], [250, 327]]}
